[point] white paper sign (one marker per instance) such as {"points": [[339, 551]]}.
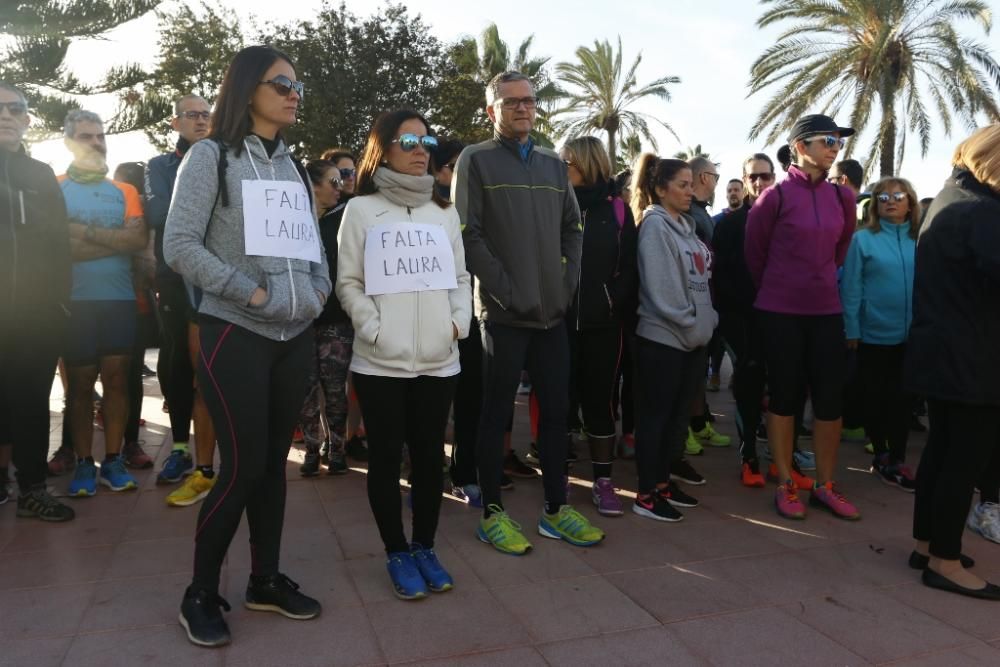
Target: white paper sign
{"points": [[278, 220], [408, 257]]}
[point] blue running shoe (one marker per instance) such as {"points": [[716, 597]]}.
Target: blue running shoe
{"points": [[116, 477], [470, 493], [436, 577], [84, 482], [407, 582], [178, 464], [806, 460]]}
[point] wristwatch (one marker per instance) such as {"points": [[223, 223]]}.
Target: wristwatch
{"points": [[91, 233]]}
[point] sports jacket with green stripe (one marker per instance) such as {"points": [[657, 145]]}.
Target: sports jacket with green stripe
{"points": [[521, 229]]}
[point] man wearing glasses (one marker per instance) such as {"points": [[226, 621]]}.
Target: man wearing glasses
{"points": [[523, 239], [34, 292], [179, 332]]}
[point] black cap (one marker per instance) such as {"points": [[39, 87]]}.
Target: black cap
{"points": [[816, 124]]}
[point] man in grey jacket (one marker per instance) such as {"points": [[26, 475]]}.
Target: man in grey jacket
{"points": [[523, 238]]}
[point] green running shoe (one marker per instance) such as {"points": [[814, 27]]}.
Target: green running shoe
{"points": [[710, 436], [503, 533], [692, 447], [571, 526]]}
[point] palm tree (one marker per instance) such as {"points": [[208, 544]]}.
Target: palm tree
{"points": [[691, 153], [631, 149], [603, 95], [880, 57]]}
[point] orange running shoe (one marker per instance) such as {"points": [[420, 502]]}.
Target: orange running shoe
{"points": [[751, 475], [801, 481]]}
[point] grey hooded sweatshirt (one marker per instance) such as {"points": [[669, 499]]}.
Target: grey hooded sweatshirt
{"points": [[675, 305], [204, 242]]}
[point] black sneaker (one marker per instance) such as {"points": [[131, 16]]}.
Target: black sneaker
{"points": [[202, 619], [337, 464], [357, 449], [682, 471], [324, 453], [676, 497], [280, 594], [310, 466], [39, 504], [4, 494], [655, 507], [515, 467], [506, 483]]}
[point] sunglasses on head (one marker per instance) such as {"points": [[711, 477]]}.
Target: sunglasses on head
{"points": [[410, 141], [15, 109], [883, 197], [347, 172], [765, 176], [828, 140], [284, 86]]}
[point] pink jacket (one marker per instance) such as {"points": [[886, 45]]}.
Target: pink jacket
{"points": [[797, 234]]}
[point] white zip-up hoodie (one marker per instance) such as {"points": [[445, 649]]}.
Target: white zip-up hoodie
{"points": [[409, 333]]}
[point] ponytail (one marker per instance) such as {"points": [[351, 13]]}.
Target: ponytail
{"points": [[649, 172]]}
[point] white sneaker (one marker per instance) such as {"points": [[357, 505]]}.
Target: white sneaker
{"points": [[985, 520]]}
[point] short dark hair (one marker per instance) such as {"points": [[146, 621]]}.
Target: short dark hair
{"points": [[337, 154], [493, 87], [317, 168], [784, 157], [926, 200], [231, 122], [133, 173], [379, 139], [734, 180], [446, 150], [758, 156], [853, 170]]}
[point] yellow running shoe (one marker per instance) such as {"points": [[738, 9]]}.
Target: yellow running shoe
{"points": [[503, 533], [691, 446], [710, 436], [194, 489]]}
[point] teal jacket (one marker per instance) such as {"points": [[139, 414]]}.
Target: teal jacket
{"points": [[876, 288]]}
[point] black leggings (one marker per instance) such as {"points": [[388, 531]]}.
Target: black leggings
{"points": [[887, 405], [545, 355], [414, 411], [989, 479], [173, 367], [468, 406], [595, 355], [254, 388], [668, 380], [960, 444], [804, 351], [741, 333]]}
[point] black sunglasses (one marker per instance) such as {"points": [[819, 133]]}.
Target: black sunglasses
{"points": [[410, 141], [347, 172], [766, 176], [336, 182], [284, 86], [883, 197], [15, 109]]}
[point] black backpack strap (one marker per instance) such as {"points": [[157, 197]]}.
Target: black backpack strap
{"points": [[221, 168], [781, 200]]}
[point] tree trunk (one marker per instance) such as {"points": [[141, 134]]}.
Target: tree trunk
{"points": [[887, 146], [613, 147]]}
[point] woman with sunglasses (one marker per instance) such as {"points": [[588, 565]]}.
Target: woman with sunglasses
{"points": [[334, 335], [953, 359], [401, 277], [242, 228], [608, 281], [797, 234], [676, 321], [876, 289]]}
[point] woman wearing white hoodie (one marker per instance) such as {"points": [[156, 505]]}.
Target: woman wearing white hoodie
{"points": [[676, 321], [401, 277]]}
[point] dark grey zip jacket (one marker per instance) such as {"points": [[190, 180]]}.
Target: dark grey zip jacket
{"points": [[203, 241], [521, 229]]}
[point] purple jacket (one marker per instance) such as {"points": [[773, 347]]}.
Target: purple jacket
{"points": [[795, 240]]}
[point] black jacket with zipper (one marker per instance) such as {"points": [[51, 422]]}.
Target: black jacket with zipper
{"points": [[35, 265], [607, 294], [733, 288], [329, 227], [953, 352]]}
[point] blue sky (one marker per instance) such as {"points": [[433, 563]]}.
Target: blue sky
{"points": [[710, 44]]}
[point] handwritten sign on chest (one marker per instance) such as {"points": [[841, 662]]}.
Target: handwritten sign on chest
{"points": [[278, 221], [408, 257]]}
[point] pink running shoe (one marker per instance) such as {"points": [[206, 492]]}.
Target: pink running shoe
{"points": [[828, 497], [135, 457], [605, 498], [786, 501]]}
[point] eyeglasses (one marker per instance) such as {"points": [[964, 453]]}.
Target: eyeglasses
{"points": [[195, 115], [409, 141], [712, 173], [15, 109], [829, 140], [284, 86], [883, 197], [511, 103], [766, 177], [347, 172]]}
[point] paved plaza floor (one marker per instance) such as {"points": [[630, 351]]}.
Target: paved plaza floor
{"points": [[733, 584]]}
